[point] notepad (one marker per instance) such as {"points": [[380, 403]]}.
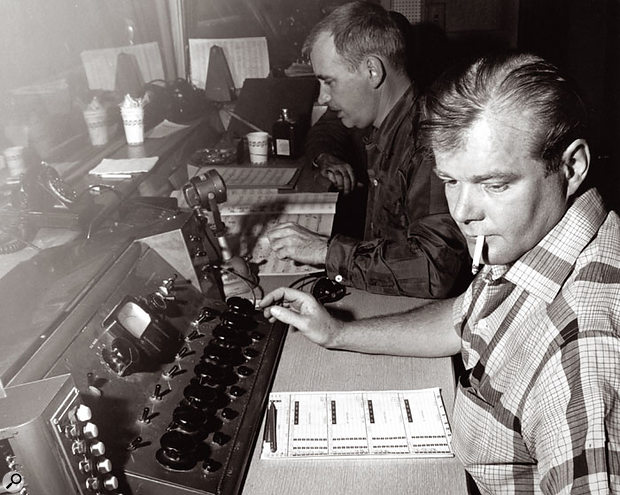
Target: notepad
{"points": [[376, 424], [124, 167]]}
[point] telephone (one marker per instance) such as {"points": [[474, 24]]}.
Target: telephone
{"points": [[41, 198], [42, 189]]}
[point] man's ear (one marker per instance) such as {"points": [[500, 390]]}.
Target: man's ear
{"points": [[575, 164], [376, 71]]}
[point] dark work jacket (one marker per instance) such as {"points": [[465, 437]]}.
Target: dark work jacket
{"points": [[411, 245]]}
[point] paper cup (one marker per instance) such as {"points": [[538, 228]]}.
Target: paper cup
{"points": [[97, 123], [14, 158], [133, 122], [258, 147]]}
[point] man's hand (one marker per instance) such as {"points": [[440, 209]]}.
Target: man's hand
{"points": [[302, 311], [292, 241], [339, 173]]}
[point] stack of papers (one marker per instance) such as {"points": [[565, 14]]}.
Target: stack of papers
{"points": [[123, 168], [252, 177], [379, 424]]}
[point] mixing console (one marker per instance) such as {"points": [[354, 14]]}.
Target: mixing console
{"points": [[169, 383]]}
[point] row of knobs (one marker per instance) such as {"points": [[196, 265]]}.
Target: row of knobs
{"points": [[221, 366], [85, 445]]}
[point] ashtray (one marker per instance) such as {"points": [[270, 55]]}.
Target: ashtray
{"points": [[213, 156]]}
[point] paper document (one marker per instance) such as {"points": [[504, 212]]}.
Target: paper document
{"points": [[249, 218], [165, 128], [120, 168], [246, 57], [100, 65], [409, 423], [251, 177]]}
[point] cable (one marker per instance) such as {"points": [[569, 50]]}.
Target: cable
{"points": [[306, 279], [248, 282]]}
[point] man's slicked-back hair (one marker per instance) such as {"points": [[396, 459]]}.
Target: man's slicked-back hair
{"points": [[360, 29], [518, 88]]}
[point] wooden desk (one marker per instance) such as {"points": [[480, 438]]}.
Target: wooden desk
{"points": [[305, 366]]}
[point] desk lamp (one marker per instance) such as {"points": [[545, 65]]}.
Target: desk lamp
{"points": [[207, 191]]}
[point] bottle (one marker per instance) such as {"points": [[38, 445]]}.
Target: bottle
{"points": [[285, 137]]}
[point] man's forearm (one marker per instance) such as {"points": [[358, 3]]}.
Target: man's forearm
{"points": [[423, 332]]}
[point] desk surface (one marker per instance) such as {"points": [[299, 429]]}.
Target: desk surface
{"points": [[305, 366]]}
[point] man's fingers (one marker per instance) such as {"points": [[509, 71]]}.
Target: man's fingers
{"points": [[287, 316]]}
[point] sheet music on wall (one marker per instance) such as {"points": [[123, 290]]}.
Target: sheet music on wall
{"points": [[375, 424], [246, 57]]}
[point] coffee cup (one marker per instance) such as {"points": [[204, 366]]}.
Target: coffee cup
{"points": [[14, 159], [258, 147], [97, 123], [133, 122]]}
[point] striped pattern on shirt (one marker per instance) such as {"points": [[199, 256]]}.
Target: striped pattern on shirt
{"points": [[538, 410]]}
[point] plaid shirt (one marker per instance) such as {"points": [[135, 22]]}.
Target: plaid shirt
{"points": [[411, 245], [538, 410]]}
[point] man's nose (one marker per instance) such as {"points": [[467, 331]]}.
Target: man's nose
{"points": [[465, 205], [324, 96]]}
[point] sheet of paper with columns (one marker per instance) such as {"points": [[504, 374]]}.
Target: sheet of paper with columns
{"points": [[100, 65], [246, 57], [375, 424]]}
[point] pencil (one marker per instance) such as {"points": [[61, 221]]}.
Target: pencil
{"points": [[475, 266]]}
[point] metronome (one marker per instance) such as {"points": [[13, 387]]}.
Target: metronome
{"points": [[219, 85]]}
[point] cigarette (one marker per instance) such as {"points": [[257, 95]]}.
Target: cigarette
{"points": [[475, 266]]}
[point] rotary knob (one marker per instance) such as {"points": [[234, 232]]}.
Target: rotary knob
{"points": [[199, 396], [240, 305], [83, 413], [110, 483], [104, 466], [97, 448], [90, 431]]}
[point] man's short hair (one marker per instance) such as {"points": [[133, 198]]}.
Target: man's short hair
{"points": [[508, 85], [360, 29]]}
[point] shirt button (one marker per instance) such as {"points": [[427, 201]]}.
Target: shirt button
{"points": [[375, 182], [338, 278]]}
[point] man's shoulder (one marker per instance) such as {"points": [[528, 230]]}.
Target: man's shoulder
{"points": [[595, 290]]}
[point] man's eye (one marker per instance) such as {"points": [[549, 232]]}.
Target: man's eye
{"points": [[496, 187], [448, 182]]}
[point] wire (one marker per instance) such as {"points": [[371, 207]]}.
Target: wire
{"points": [[250, 283], [306, 279]]}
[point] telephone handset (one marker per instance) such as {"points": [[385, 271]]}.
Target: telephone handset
{"points": [[42, 189]]}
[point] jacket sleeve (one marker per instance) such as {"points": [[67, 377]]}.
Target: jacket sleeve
{"points": [[429, 261]]}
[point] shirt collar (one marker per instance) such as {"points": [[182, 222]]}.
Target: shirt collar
{"points": [[543, 269], [382, 136]]}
